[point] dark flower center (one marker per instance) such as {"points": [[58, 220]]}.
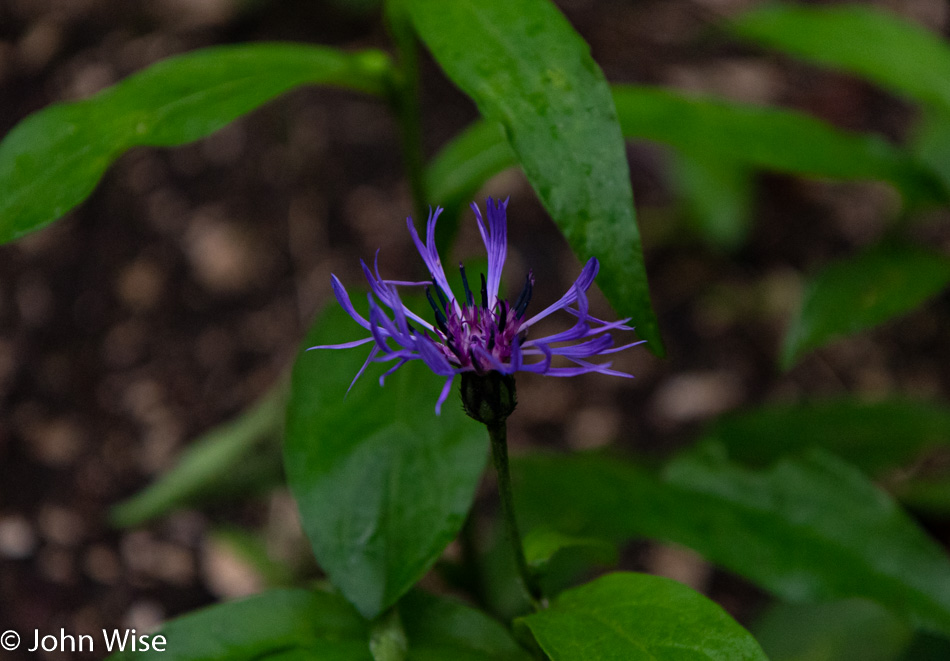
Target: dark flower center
{"points": [[475, 335]]}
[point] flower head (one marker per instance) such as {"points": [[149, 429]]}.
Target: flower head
{"points": [[478, 332]]}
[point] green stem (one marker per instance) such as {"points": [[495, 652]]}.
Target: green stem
{"points": [[404, 100], [498, 434]]}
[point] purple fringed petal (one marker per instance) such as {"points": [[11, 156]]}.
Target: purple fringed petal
{"points": [[433, 358], [430, 255], [446, 389], [382, 377], [468, 336], [495, 238], [386, 293], [345, 345], [369, 359], [582, 284], [344, 300]]}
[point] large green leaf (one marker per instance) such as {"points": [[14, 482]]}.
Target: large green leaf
{"points": [[860, 292], [875, 436], [54, 158], [527, 69], [808, 529], [383, 483], [264, 625], [639, 617], [880, 46]]}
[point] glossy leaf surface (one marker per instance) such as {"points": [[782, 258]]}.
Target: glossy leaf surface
{"points": [[639, 617], [52, 160], [527, 69], [857, 293], [382, 482]]}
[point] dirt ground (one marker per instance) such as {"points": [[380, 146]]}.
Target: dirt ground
{"points": [[178, 292]]}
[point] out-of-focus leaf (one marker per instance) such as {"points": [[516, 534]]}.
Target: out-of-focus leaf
{"points": [[638, 617], [52, 160], [925, 494], [874, 436], [927, 647], [527, 69], [542, 544], [211, 465], [463, 165], [387, 638], [894, 53], [440, 629], [931, 144], [271, 623], [769, 138], [834, 631], [716, 196], [808, 529], [250, 547], [383, 483], [860, 292]]}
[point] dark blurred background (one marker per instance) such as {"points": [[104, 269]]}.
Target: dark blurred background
{"points": [[177, 294]]}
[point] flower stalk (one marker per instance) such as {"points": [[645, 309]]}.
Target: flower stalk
{"points": [[490, 398], [498, 433]]}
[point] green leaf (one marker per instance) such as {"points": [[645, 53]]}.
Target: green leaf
{"points": [[833, 631], [894, 53], [925, 494], [860, 292], [383, 483], [874, 436], [768, 138], [527, 69], [214, 464], [466, 162], [267, 624], [717, 197], [439, 628], [808, 529], [930, 143], [542, 544], [52, 160], [633, 617], [387, 640]]}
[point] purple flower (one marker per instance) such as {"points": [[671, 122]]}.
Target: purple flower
{"points": [[479, 332]]}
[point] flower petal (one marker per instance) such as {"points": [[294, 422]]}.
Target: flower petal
{"points": [[430, 255], [344, 299], [582, 284]]}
